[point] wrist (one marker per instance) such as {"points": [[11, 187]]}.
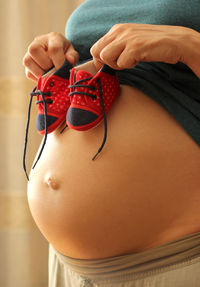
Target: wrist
{"points": [[188, 47]]}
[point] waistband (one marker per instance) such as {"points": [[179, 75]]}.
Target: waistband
{"points": [[171, 253]]}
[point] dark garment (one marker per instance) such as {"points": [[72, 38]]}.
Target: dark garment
{"points": [[174, 86]]}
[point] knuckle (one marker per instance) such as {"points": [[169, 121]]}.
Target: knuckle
{"points": [[56, 43], [138, 42], [54, 48], [57, 37], [93, 50], [33, 49], [37, 38], [26, 60], [53, 34], [97, 48], [104, 55], [118, 26]]}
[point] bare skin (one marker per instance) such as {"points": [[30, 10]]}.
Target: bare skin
{"points": [[141, 192]]}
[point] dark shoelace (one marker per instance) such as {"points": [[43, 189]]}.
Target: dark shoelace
{"points": [[44, 102], [77, 84], [49, 101]]}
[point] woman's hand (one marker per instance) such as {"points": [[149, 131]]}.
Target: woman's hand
{"points": [[46, 51], [125, 45]]}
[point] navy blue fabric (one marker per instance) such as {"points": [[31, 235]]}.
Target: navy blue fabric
{"points": [[175, 87], [64, 71], [78, 117], [40, 121]]}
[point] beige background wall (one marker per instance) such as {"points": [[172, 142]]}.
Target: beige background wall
{"points": [[23, 250]]}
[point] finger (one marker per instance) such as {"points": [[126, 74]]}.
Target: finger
{"points": [[56, 52], [72, 55], [32, 66], [126, 60], [111, 53], [38, 53], [30, 76], [100, 45], [98, 64]]}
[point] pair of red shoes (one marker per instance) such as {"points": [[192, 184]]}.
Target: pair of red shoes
{"points": [[75, 97]]}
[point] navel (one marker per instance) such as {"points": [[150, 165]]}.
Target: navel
{"points": [[52, 182]]}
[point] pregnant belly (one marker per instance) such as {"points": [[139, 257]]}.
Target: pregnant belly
{"points": [[142, 190]]}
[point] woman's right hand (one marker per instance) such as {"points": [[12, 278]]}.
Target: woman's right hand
{"points": [[47, 51]]}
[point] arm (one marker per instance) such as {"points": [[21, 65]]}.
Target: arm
{"points": [[125, 45]]}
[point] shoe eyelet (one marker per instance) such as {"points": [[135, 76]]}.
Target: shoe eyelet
{"points": [[51, 84]]}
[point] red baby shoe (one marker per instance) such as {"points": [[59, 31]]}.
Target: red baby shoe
{"points": [[52, 99], [53, 102], [91, 97]]}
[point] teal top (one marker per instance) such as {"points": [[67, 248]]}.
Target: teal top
{"points": [[174, 86]]}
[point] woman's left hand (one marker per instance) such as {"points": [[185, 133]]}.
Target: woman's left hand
{"points": [[125, 45]]}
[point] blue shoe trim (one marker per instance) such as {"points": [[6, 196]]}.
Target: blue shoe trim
{"points": [[79, 117], [64, 71], [108, 70], [40, 121]]}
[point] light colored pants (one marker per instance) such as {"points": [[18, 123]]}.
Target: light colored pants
{"points": [[175, 264]]}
